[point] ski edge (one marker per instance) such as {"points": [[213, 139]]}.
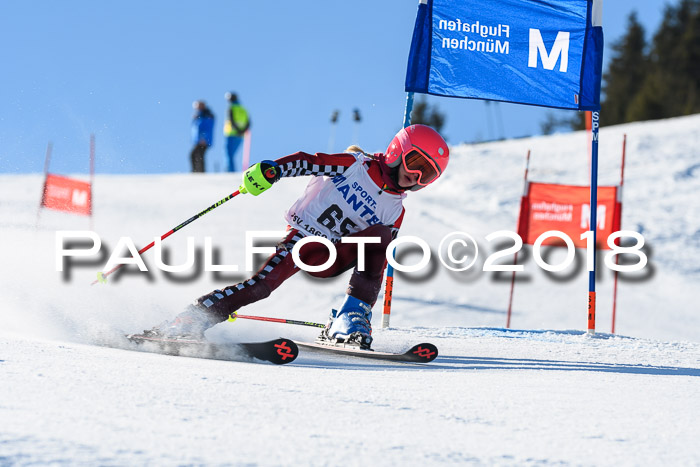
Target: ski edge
{"points": [[278, 351], [419, 353]]}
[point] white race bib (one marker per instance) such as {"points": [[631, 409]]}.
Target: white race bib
{"points": [[345, 204]]}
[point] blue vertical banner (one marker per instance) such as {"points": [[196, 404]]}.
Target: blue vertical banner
{"points": [[536, 52]]}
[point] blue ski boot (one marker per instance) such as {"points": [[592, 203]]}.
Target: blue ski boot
{"points": [[190, 324], [351, 324]]}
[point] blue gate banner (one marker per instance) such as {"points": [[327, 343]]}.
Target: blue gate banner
{"points": [[537, 52]]}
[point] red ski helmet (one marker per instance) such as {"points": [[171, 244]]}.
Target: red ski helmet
{"points": [[421, 150]]}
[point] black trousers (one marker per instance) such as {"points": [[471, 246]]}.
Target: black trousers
{"points": [[197, 157], [364, 285]]}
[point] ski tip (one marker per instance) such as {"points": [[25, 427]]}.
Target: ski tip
{"points": [[424, 352], [282, 351]]}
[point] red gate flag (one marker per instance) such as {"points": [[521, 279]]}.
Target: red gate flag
{"points": [[67, 194], [566, 208]]}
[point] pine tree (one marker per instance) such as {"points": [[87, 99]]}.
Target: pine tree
{"points": [[672, 86], [423, 113], [626, 73], [689, 56]]}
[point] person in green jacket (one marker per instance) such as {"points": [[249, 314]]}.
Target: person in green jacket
{"points": [[237, 123]]}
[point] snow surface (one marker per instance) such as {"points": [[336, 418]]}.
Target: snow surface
{"points": [[543, 392]]}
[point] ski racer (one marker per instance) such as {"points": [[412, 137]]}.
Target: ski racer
{"points": [[353, 194]]}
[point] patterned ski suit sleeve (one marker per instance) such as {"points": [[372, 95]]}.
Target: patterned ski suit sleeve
{"points": [[301, 163]]}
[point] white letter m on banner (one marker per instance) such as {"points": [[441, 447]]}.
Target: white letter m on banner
{"points": [[559, 49]]}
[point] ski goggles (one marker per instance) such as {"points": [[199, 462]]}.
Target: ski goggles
{"points": [[422, 164]]}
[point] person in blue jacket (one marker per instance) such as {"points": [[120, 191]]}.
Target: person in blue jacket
{"points": [[202, 134]]}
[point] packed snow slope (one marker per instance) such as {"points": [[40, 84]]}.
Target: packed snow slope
{"points": [[542, 392]]}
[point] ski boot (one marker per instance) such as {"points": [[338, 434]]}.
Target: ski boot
{"points": [[188, 325], [350, 326]]}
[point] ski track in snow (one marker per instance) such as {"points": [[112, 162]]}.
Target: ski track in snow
{"points": [[544, 392]]}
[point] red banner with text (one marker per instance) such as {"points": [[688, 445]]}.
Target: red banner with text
{"points": [[566, 208], [67, 194]]}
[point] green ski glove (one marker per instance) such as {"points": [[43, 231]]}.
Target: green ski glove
{"points": [[260, 177]]}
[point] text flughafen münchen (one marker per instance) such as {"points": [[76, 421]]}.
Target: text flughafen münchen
{"points": [[491, 39]]}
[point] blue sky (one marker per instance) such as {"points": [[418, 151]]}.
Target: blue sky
{"points": [[128, 72]]}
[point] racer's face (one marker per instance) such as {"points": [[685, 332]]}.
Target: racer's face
{"points": [[407, 179]]}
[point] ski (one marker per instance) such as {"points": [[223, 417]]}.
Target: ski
{"points": [[420, 353], [278, 351]]}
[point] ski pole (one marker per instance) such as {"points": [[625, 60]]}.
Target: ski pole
{"points": [[235, 316], [102, 277]]}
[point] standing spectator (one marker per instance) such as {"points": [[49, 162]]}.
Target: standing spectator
{"points": [[202, 134], [237, 123]]}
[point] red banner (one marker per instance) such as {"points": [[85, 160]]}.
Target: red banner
{"points": [[566, 208], [67, 194]]}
